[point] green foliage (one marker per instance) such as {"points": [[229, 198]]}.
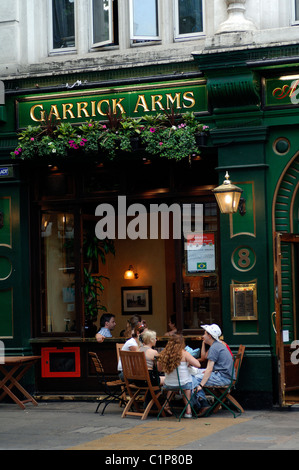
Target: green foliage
{"points": [[94, 250], [165, 135]]}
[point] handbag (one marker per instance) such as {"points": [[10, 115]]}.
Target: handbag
{"points": [[154, 374]]}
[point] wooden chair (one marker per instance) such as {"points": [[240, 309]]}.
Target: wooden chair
{"points": [[138, 385], [113, 389], [171, 392], [123, 396], [222, 394], [118, 348]]}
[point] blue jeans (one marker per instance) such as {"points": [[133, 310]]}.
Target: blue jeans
{"points": [[216, 378]]}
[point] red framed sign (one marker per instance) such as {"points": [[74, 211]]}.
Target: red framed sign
{"points": [[60, 362]]}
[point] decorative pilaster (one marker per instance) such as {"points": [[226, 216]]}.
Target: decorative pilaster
{"points": [[236, 20]]}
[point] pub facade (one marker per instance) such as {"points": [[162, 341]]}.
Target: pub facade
{"points": [[238, 270]]}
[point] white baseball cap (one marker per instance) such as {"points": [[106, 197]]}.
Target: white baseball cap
{"points": [[213, 330]]}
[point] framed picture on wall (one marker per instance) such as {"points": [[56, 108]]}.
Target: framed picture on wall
{"points": [[136, 300]]}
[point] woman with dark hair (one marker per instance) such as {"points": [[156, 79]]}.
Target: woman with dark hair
{"points": [[174, 357]]}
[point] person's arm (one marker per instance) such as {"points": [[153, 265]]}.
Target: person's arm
{"points": [[191, 360], [203, 352], [206, 374], [100, 338]]}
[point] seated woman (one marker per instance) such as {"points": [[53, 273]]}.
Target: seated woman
{"points": [[132, 344], [149, 339], [172, 325], [175, 356]]}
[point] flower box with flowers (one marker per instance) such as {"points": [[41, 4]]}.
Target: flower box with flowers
{"points": [[158, 135]]}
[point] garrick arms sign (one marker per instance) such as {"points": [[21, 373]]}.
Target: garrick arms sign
{"points": [[137, 101]]}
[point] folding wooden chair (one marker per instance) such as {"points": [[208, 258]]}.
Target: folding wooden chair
{"points": [[138, 384], [123, 396], [173, 391], [113, 390], [222, 394]]}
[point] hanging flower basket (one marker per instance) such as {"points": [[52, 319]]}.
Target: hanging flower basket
{"points": [[165, 136]]}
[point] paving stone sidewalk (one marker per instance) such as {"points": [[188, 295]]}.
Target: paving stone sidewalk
{"points": [[75, 426]]}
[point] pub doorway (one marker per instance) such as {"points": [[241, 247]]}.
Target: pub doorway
{"points": [[285, 318]]}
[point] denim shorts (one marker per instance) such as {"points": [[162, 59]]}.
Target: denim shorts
{"points": [[187, 386]]}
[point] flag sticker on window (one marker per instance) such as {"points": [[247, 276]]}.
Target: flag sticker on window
{"points": [[201, 266]]}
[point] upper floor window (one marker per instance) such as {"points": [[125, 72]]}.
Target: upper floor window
{"points": [[104, 22], [144, 20], [295, 11], [105, 19], [62, 13], [188, 18]]}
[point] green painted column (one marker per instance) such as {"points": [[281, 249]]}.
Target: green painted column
{"points": [[15, 322]]}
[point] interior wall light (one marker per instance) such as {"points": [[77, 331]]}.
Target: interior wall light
{"points": [[130, 274], [228, 197]]}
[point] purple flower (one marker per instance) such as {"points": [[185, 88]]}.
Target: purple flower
{"points": [[160, 143], [152, 130], [32, 139], [16, 152]]}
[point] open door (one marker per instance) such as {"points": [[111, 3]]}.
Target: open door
{"points": [[285, 317]]}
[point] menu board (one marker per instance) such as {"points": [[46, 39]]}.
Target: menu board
{"points": [[200, 253], [243, 302]]}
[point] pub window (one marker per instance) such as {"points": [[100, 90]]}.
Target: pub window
{"points": [[201, 302], [188, 18], [144, 20], [104, 22], [58, 273], [62, 21]]}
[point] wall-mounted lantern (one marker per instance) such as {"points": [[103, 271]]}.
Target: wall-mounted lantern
{"points": [[228, 197]]}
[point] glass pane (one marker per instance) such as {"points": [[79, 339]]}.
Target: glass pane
{"points": [[63, 14], [190, 16], [296, 10], [101, 20], [201, 294], [58, 272], [145, 18]]}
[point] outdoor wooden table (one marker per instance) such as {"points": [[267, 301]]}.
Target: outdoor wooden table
{"points": [[13, 369]]}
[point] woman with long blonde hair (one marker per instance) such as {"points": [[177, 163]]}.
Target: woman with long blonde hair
{"points": [[174, 357]]}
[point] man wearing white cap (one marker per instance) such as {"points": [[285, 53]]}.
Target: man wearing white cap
{"points": [[219, 367]]}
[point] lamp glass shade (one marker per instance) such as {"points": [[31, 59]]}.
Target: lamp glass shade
{"points": [[228, 202], [228, 196], [129, 274]]}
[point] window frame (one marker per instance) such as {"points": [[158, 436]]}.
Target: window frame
{"points": [[176, 28], [52, 49], [110, 40], [143, 37], [294, 21]]}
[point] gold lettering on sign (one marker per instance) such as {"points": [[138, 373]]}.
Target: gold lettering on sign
{"points": [[156, 99], [67, 109], [189, 96], [93, 108], [81, 107], [99, 107], [116, 104], [87, 109], [54, 112], [42, 114], [141, 101], [170, 99]]}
